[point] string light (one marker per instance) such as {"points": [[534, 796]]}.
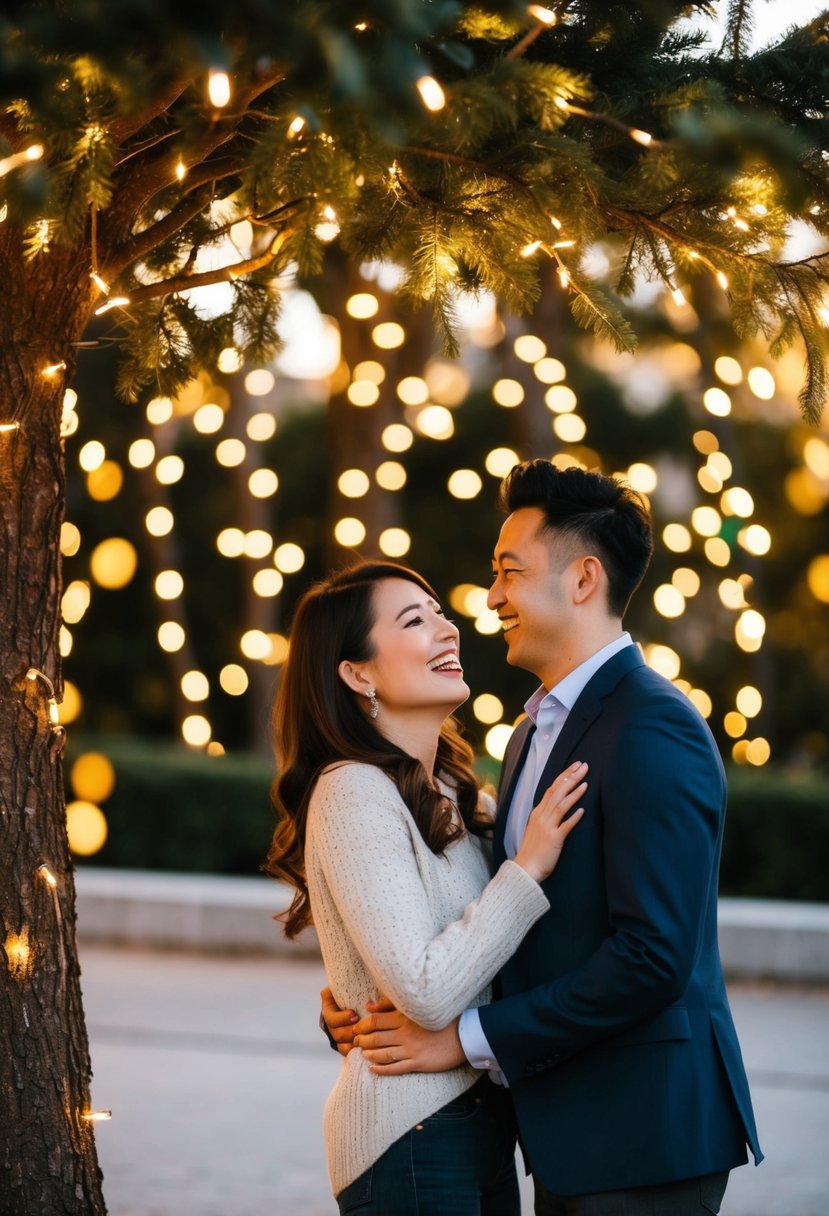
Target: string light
{"points": [[100, 283], [53, 369], [544, 15], [181, 170], [97, 1116], [6, 427], [114, 302], [218, 88], [35, 673], [296, 126], [431, 93], [32, 153], [47, 875]]}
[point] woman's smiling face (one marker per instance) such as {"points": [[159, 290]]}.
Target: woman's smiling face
{"points": [[415, 662]]}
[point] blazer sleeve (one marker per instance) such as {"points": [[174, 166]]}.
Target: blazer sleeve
{"points": [[361, 833], [662, 801]]}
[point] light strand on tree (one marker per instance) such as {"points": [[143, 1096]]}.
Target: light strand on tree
{"points": [[8, 427], [47, 875], [32, 153], [218, 88], [97, 1116], [52, 369], [114, 302], [645, 138], [34, 673], [58, 731], [100, 283]]}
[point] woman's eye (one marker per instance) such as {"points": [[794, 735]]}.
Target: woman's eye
{"points": [[415, 620]]}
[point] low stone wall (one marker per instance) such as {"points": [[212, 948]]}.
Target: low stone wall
{"points": [[759, 939]]}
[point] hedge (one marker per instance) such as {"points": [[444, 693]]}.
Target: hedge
{"points": [[173, 809]]}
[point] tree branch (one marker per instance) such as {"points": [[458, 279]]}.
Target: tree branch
{"points": [[150, 238], [224, 274], [124, 128]]}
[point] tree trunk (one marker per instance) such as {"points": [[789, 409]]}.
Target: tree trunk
{"points": [[48, 1162]]}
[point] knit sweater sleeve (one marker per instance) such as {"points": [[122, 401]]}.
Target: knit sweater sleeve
{"points": [[363, 839]]}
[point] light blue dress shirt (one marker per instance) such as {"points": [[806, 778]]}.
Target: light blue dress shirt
{"points": [[548, 711]]}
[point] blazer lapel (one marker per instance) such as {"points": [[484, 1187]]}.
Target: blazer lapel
{"points": [[517, 750], [587, 708]]}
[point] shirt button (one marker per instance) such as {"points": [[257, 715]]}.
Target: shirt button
{"points": [[487, 1063]]}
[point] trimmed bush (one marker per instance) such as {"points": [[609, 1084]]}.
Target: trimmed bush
{"points": [[776, 836], [174, 809]]}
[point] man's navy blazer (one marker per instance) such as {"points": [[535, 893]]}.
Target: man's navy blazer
{"points": [[611, 1021]]}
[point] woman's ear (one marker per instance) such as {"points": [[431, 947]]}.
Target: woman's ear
{"points": [[351, 678]]}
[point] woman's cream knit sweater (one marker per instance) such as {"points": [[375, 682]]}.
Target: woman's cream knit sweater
{"points": [[428, 932]]}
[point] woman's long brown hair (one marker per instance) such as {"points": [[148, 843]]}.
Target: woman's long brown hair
{"points": [[318, 720]]}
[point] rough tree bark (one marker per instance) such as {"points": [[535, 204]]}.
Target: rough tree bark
{"points": [[48, 1162]]}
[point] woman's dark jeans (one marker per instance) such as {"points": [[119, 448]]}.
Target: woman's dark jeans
{"points": [[458, 1162]]}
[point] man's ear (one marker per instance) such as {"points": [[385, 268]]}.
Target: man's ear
{"points": [[589, 578], [352, 678]]}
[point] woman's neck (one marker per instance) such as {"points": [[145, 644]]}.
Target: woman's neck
{"points": [[417, 737]]}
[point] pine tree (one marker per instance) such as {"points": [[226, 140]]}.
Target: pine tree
{"points": [[465, 144]]}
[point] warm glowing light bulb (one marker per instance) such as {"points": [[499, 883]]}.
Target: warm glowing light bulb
{"points": [[289, 557], [545, 16], [395, 542], [93, 776], [488, 708], [159, 521], [641, 137], [233, 680], [353, 483], [362, 305], [267, 583], [499, 461], [349, 531], [497, 738], [431, 93], [390, 475], [397, 437], [413, 390], [388, 335], [464, 483], [218, 88], [507, 393], [529, 349]]}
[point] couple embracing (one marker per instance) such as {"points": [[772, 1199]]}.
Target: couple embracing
{"points": [[548, 968]]}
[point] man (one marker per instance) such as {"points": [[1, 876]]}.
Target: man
{"points": [[612, 1026]]}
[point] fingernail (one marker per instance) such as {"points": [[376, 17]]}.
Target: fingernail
{"points": [[353, 1017]]}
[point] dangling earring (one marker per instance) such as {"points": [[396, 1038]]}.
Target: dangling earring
{"points": [[371, 693]]}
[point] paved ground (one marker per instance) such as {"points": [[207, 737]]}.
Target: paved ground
{"points": [[216, 1074]]}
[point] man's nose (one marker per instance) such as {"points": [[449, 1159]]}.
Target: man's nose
{"points": [[496, 595]]}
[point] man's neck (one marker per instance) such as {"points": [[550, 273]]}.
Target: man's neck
{"points": [[582, 649]]}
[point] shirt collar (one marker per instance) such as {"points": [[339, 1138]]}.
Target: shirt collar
{"points": [[568, 690]]}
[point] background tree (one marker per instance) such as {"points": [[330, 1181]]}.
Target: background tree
{"points": [[464, 144]]}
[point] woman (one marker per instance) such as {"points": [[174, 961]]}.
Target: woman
{"points": [[383, 833]]}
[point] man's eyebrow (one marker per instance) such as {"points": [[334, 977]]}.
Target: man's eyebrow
{"points": [[506, 555]]}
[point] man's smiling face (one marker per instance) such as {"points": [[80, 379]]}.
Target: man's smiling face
{"points": [[529, 593]]}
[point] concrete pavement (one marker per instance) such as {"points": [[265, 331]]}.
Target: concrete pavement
{"points": [[216, 1074]]}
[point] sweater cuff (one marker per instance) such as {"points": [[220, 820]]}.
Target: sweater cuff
{"points": [[524, 889]]}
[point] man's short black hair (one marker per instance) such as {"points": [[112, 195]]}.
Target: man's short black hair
{"points": [[607, 516]]}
